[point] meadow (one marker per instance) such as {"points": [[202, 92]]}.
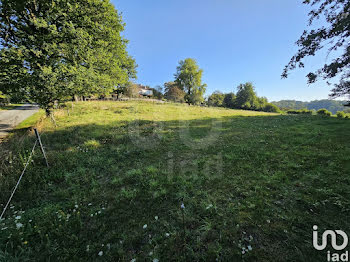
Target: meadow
{"points": [[142, 181]]}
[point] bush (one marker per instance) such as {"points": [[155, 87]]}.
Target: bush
{"points": [[305, 111], [293, 112], [301, 111], [271, 108], [323, 112], [341, 114]]}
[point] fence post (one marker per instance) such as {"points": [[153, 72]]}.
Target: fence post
{"points": [[41, 146]]}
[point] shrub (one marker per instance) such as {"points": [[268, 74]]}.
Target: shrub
{"points": [[293, 112], [323, 112], [301, 111], [305, 111], [271, 108], [341, 114]]}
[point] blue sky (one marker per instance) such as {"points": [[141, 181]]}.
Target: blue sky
{"points": [[233, 42]]}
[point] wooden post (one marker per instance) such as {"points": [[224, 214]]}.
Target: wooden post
{"points": [[41, 146]]}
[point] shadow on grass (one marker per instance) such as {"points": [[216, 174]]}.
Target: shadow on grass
{"points": [[244, 181]]}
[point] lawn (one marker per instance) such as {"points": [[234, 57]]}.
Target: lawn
{"points": [[252, 185]]}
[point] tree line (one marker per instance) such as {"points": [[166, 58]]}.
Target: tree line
{"points": [[331, 105], [187, 87], [245, 98]]}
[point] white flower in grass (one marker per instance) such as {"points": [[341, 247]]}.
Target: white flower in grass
{"points": [[144, 226], [210, 206], [183, 206], [19, 225], [250, 248], [133, 260], [89, 204], [18, 217], [155, 260], [167, 234], [150, 253], [100, 253], [76, 206], [156, 217]]}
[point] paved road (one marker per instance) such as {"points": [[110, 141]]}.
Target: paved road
{"points": [[11, 118]]}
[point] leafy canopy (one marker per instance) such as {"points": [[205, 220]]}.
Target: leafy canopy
{"points": [[216, 99], [335, 36], [173, 92], [52, 50], [189, 77]]}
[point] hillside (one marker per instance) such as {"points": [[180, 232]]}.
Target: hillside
{"points": [[330, 105], [253, 184]]}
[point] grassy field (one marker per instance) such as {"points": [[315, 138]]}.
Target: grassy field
{"points": [[253, 185]]}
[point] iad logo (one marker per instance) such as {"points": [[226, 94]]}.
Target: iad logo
{"points": [[333, 236]]}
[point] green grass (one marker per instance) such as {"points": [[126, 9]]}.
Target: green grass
{"points": [[246, 179]]}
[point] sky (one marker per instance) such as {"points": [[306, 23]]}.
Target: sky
{"points": [[232, 41]]}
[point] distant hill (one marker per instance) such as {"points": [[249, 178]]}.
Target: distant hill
{"points": [[331, 105]]}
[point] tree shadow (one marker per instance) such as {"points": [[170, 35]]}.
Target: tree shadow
{"points": [[227, 171]]}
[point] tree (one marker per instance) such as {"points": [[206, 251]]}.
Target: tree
{"points": [[158, 92], [132, 90], [52, 50], [173, 92], [230, 100], [246, 97], [335, 35], [189, 77], [216, 99], [261, 103], [3, 99]]}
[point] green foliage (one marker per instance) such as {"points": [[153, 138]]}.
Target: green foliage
{"points": [[341, 114], [303, 111], [337, 33], [323, 112], [271, 108], [52, 50], [188, 76], [330, 105], [158, 92], [4, 100], [216, 99], [246, 97], [173, 92], [132, 90], [229, 100]]}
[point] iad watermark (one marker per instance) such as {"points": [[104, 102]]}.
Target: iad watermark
{"points": [[332, 256]]}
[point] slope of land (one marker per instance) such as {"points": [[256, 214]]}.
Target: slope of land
{"points": [[252, 184]]}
